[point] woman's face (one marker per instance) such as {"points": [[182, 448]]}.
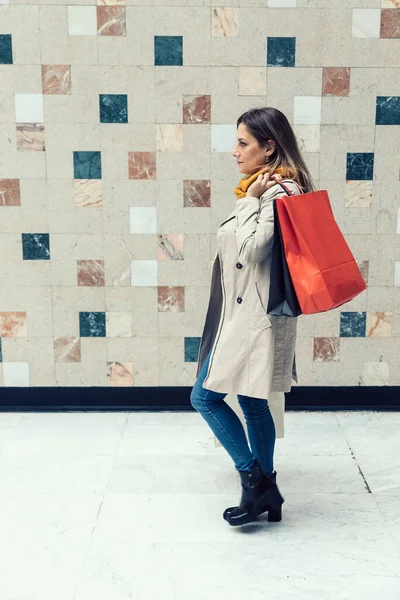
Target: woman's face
{"points": [[250, 156]]}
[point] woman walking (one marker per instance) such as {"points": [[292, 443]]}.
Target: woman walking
{"points": [[243, 350]]}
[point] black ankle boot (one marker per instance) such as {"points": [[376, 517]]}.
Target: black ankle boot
{"points": [[259, 494]]}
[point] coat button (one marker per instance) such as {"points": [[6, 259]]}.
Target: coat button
{"points": [[239, 265], [239, 300]]}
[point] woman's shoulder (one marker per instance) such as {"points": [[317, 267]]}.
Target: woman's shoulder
{"points": [[276, 190]]}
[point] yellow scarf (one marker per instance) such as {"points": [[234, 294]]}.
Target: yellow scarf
{"points": [[245, 183]]}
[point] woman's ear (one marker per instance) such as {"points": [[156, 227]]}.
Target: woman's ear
{"points": [[270, 148]]}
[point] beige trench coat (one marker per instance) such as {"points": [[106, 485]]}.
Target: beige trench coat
{"points": [[253, 354]]}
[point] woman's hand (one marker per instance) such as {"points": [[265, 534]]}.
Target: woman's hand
{"points": [[262, 184]]}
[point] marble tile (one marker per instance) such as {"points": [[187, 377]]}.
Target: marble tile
{"points": [[379, 324], [143, 219], [358, 194], [144, 272], [308, 137], [119, 324], [360, 166], [390, 4], [90, 272], [88, 192], [67, 349], [169, 138], [29, 108], [223, 138], [335, 81], [353, 324], [196, 193], [111, 20], [170, 246], [168, 50], [252, 81], [30, 136], [36, 246], [16, 374], [56, 79], [225, 22], [6, 49], [390, 23], [1, 359], [281, 51], [111, 2], [364, 269], [87, 165], [13, 324], [376, 373], [10, 192], [82, 20], [142, 165], [387, 110], [396, 273], [113, 108], [307, 110], [196, 109], [326, 349], [120, 374], [366, 23], [92, 324], [171, 299], [192, 345]]}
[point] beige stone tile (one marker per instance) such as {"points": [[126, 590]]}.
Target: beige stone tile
{"points": [[172, 360], [142, 352], [68, 302], [252, 81], [120, 374], [169, 138], [171, 85], [225, 22], [379, 324], [65, 217], [130, 49], [38, 352], [119, 324], [18, 21]]}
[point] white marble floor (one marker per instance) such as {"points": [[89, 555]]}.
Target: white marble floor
{"points": [[128, 506]]}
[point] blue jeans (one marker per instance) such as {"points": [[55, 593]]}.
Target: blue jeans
{"points": [[228, 428]]}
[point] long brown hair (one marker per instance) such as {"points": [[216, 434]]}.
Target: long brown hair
{"points": [[271, 124]]}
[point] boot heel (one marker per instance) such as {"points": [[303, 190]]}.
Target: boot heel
{"points": [[275, 514]]}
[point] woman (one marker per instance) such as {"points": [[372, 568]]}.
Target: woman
{"points": [[243, 350]]}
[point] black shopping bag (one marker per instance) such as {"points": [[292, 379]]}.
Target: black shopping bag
{"points": [[282, 296]]}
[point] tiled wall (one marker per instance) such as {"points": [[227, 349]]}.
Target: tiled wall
{"points": [[116, 125]]}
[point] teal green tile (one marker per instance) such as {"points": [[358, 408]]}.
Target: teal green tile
{"points": [[87, 165], [113, 108], [192, 345]]}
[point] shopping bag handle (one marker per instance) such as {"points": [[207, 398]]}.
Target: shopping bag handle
{"points": [[288, 192]]}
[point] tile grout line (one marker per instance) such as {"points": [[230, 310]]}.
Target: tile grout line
{"points": [[354, 457]]}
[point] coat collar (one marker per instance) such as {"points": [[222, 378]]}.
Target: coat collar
{"points": [[231, 216]]}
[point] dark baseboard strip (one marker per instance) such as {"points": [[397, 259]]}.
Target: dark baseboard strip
{"points": [[178, 398]]}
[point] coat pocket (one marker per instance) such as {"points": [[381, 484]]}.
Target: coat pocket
{"points": [[262, 319]]}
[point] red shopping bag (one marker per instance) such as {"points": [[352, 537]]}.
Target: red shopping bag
{"points": [[322, 267]]}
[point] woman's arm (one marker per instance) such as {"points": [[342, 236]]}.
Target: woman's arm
{"points": [[255, 224]]}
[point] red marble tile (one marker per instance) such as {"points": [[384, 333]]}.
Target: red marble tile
{"points": [[142, 165], [9, 192], [390, 23], [196, 193], [170, 246], [67, 349], [196, 109], [171, 299], [335, 81], [90, 272], [56, 79], [326, 349], [13, 324], [111, 20]]}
